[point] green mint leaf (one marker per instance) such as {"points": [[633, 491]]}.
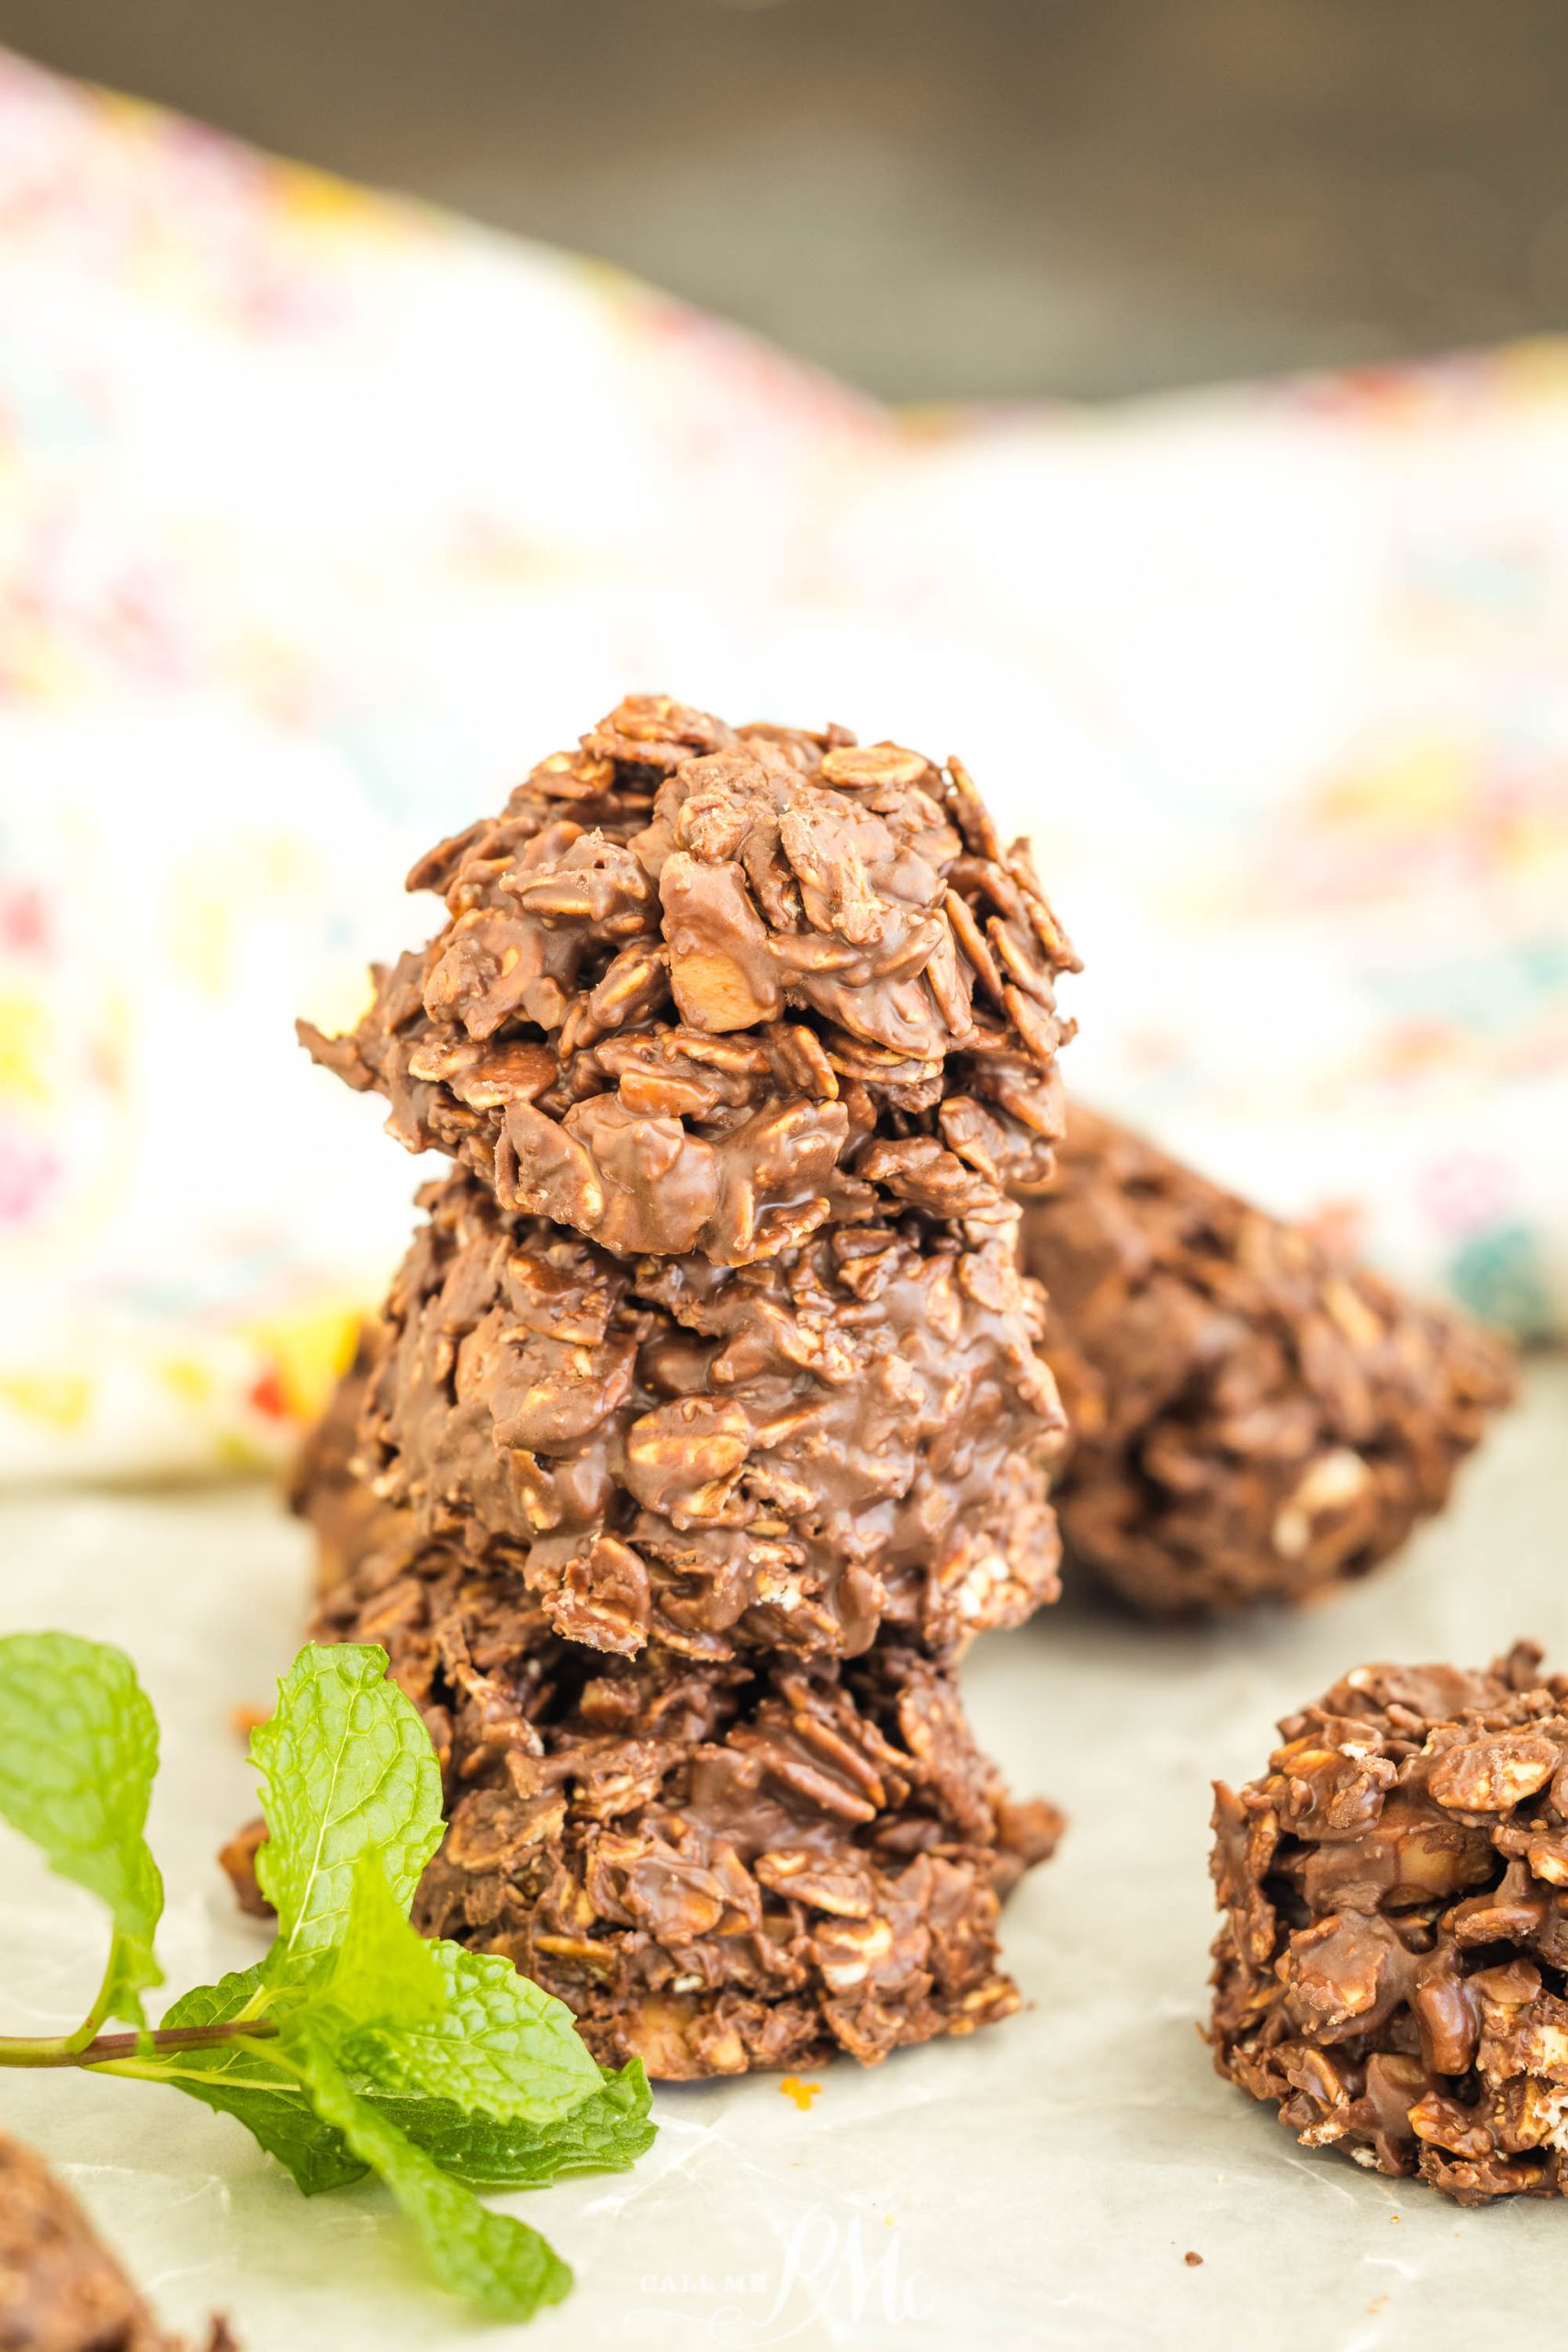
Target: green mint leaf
{"points": [[346, 1765], [383, 1969], [498, 2046], [606, 2133], [501, 2264], [78, 1752], [255, 2083], [245, 2079]]}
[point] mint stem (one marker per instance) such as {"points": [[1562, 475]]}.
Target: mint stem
{"points": [[100, 2008], [45, 2050]]}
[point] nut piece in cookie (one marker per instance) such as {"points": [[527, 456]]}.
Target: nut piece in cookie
{"points": [[1251, 1417], [1390, 1971]]}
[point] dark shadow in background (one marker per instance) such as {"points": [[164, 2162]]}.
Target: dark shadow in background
{"points": [[940, 197]]}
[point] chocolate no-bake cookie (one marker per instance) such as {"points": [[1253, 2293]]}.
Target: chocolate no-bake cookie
{"points": [[1250, 1416], [706, 1414], [1394, 1963], [703, 989], [717, 1867], [789, 1455], [60, 2289]]}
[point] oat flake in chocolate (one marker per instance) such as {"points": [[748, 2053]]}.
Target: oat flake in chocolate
{"points": [[704, 988], [1392, 1967], [854, 1433], [1251, 1418]]}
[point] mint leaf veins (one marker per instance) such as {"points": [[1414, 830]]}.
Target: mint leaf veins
{"points": [[346, 1766], [354, 2046], [78, 1752]]}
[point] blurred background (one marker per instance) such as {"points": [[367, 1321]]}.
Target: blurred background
{"points": [[940, 200], [1162, 402]]}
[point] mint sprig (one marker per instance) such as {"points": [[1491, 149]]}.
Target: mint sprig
{"points": [[354, 2046]]}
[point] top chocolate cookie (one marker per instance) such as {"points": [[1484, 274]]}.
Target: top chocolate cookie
{"points": [[704, 988]]}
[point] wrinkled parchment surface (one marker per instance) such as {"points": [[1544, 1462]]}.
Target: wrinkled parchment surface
{"points": [[1036, 2187]]}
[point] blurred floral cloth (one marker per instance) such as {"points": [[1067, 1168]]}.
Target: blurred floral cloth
{"points": [[321, 515]]}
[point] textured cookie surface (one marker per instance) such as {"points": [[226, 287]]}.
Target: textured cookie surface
{"points": [[704, 988], [1250, 1416], [789, 1455], [719, 1867], [1391, 1969]]}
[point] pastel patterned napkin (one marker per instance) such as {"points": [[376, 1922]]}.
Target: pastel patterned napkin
{"points": [[321, 515]]}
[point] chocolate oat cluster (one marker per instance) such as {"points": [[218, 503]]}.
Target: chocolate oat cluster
{"points": [[707, 989], [1250, 1416], [706, 1420], [785, 1456], [1391, 1967], [719, 1867]]}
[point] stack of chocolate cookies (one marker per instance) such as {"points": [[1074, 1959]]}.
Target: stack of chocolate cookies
{"points": [[707, 1420]]}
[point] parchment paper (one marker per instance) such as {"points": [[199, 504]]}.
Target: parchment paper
{"points": [[1037, 2186]]}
